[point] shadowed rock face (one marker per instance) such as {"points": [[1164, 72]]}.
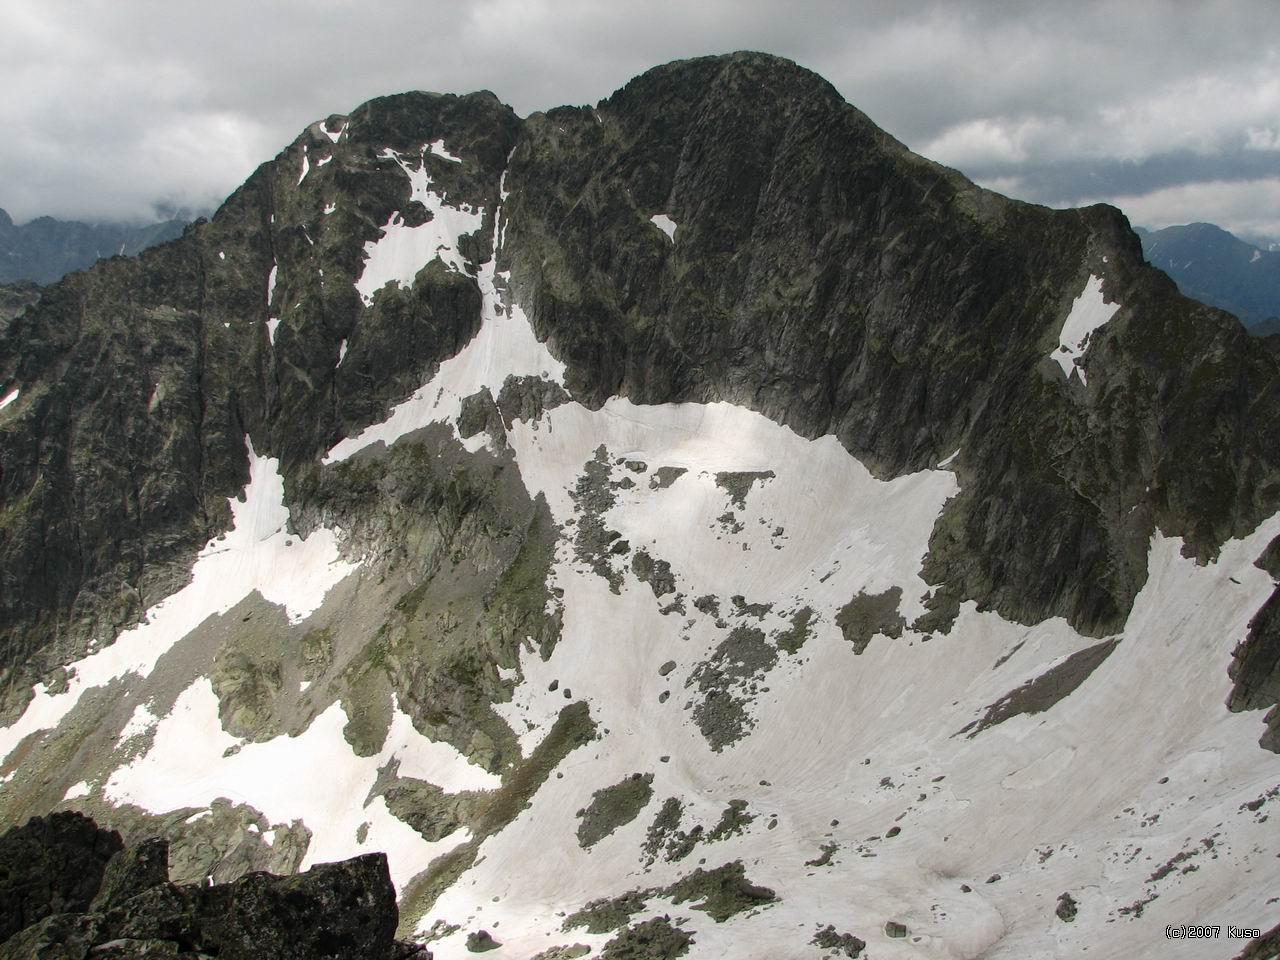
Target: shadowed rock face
{"points": [[819, 273], [335, 910], [51, 865]]}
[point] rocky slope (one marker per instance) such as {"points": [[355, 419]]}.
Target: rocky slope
{"points": [[700, 476]]}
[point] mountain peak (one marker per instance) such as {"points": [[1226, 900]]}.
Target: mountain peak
{"points": [[651, 502]]}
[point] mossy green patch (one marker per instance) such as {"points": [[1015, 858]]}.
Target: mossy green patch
{"points": [[720, 893], [870, 613], [738, 484], [655, 939], [726, 680], [795, 636], [613, 807], [734, 820], [610, 913]]}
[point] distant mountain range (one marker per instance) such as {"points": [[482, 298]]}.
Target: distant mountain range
{"points": [[46, 249], [1220, 269]]}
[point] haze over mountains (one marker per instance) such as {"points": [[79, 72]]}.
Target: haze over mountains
{"points": [[692, 525], [44, 249], [1219, 269]]}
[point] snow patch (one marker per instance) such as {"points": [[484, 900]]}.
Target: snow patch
{"points": [[342, 352], [1088, 313], [77, 790], [401, 251], [306, 166], [272, 325], [505, 345], [329, 208], [665, 224], [9, 397], [258, 554], [332, 134], [438, 148], [141, 722], [314, 777]]}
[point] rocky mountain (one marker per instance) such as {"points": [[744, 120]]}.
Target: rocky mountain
{"points": [[44, 250], [689, 525], [16, 297], [1220, 269]]}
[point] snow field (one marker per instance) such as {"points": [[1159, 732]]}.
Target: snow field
{"points": [[1088, 313]]}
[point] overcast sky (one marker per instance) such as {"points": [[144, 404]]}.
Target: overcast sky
{"points": [[1171, 110]]}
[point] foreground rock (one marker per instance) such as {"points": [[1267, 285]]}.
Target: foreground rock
{"points": [[70, 890]]}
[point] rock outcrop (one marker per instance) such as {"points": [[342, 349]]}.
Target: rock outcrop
{"points": [[57, 903]]}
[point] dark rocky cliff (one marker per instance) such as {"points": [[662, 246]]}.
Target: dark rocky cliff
{"points": [[820, 274], [69, 889]]}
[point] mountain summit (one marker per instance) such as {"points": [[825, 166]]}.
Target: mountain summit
{"points": [[1220, 269], [689, 525]]}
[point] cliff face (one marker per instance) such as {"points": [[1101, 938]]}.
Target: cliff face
{"points": [[821, 274], [683, 443]]}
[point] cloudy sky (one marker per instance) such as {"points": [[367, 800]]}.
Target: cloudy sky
{"points": [[1171, 110]]}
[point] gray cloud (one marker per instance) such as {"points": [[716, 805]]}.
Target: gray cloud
{"points": [[113, 108]]}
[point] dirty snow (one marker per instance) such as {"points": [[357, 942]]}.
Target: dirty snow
{"points": [[1088, 313]]}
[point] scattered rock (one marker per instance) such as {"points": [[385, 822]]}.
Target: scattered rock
{"points": [[613, 807], [479, 941], [845, 944], [1067, 908]]}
